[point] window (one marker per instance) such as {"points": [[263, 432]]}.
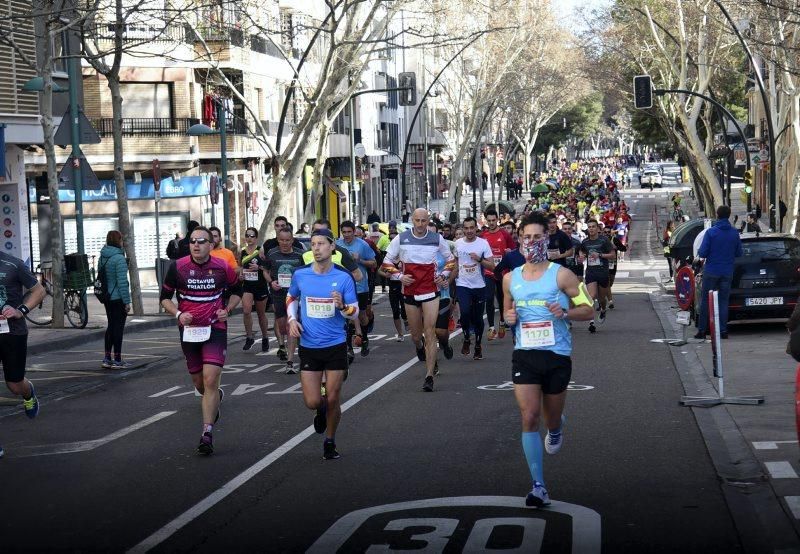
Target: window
{"points": [[146, 100], [59, 53]]}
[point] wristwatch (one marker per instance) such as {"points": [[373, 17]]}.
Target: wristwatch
{"points": [[25, 310]]}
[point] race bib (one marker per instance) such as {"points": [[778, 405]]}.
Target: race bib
{"points": [[536, 334], [595, 261], [497, 259], [320, 308], [197, 334], [424, 297], [4, 326], [284, 280], [553, 254], [470, 269], [250, 275]]}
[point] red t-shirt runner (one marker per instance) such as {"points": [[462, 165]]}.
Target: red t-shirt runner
{"points": [[500, 242]]}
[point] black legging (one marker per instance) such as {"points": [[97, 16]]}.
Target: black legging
{"points": [[396, 300], [494, 291], [115, 312]]}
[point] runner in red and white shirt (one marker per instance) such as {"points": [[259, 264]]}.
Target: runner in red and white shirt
{"points": [[417, 249], [500, 242]]}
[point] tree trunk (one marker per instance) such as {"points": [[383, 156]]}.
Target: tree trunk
{"points": [[125, 226], [56, 244]]}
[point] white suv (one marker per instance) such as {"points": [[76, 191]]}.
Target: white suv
{"points": [[650, 178]]}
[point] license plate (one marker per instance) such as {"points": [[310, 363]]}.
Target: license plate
{"points": [[766, 301]]}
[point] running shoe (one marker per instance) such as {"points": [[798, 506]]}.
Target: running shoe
{"points": [[265, 344], [554, 439], [120, 364], [365, 347], [492, 334], [701, 336], [421, 351], [610, 304], [290, 370], [108, 363], [602, 318], [321, 417], [501, 331], [31, 404], [206, 445], [465, 347], [538, 496], [248, 343], [592, 328], [329, 450], [478, 355], [436, 368], [282, 356], [221, 396], [399, 338], [427, 386], [451, 325], [448, 351]]}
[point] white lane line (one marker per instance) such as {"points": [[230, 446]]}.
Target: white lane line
{"points": [[228, 488], [84, 446], [781, 470], [623, 274], [653, 274], [794, 505], [770, 445], [163, 392]]}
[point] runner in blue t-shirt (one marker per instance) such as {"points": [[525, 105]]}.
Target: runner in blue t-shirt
{"points": [[364, 256], [323, 297]]}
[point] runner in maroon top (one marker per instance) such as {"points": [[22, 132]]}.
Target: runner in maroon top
{"points": [[207, 289]]}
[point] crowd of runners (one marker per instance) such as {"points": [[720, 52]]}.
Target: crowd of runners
{"points": [[529, 277]]}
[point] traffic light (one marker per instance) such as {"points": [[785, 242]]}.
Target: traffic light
{"points": [[643, 92], [407, 81], [748, 181]]}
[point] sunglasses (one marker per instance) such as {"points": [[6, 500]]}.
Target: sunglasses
{"points": [[250, 236], [199, 241]]}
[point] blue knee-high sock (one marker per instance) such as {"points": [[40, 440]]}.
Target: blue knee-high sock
{"points": [[532, 445]]}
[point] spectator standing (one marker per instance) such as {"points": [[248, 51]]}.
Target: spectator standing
{"points": [[115, 266], [719, 248], [750, 225], [373, 217]]}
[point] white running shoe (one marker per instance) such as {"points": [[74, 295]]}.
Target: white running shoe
{"points": [[399, 338], [602, 317], [538, 496], [552, 443]]}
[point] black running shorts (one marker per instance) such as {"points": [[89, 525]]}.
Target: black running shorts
{"points": [[541, 367], [599, 277], [13, 350], [330, 358], [409, 300]]}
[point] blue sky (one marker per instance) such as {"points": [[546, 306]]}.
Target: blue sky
{"points": [[566, 9]]}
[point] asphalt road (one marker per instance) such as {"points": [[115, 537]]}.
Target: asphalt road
{"points": [[112, 465]]}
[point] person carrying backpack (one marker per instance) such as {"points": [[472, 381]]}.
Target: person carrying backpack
{"points": [[112, 276]]}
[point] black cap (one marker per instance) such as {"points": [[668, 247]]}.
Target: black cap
{"points": [[324, 233]]}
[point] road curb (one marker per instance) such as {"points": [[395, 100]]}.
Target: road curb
{"points": [[761, 521]]}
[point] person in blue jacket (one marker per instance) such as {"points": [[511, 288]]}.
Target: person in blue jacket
{"points": [[721, 245], [115, 266]]}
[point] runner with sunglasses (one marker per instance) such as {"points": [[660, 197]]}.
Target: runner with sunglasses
{"points": [[207, 290], [254, 290]]}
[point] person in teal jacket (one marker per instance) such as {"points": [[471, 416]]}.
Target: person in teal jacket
{"points": [[115, 266]]}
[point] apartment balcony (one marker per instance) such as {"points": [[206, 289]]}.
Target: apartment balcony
{"points": [[141, 126]]}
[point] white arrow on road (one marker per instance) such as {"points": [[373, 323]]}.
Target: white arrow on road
{"points": [[85, 446]]}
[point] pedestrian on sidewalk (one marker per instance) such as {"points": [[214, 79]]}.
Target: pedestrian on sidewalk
{"points": [[115, 267], [183, 244], [719, 248]]}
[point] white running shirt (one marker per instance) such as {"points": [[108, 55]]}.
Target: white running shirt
{"points": [[470, 272]]}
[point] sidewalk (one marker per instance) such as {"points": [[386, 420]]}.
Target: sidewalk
{"points": [[47, 339]]}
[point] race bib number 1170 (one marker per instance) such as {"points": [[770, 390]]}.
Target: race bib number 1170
{"points": [[537, 334]]}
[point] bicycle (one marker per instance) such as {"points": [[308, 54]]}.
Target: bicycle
{"points": [[76, 308], [677, 214]]}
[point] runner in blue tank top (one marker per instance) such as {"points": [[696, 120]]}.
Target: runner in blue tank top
{"points": [[539, 299], [321, 299]]}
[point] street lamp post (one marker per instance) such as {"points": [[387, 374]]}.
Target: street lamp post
{"points": [[200, 129], [773, 189]]}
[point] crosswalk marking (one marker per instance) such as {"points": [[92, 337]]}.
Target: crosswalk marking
{"points": [[770, 445], [794, 505], [781, 470]]}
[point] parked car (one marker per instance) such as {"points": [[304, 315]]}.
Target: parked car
{"points": [[650, 178], [766, 279]]}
